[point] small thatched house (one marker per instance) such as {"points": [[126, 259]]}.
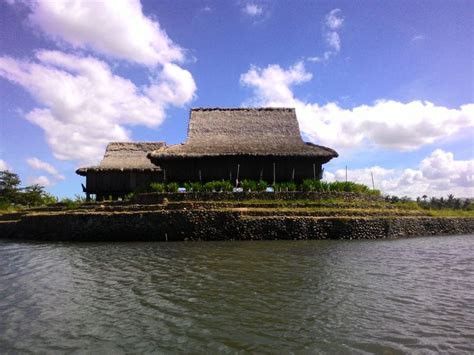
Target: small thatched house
{"points": [[124, 168], [223, 144], [242, 143]]}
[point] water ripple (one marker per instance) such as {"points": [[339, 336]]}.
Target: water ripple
{"points": [[403, 296]]}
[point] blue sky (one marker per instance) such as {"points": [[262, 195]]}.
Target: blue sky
{"points": [[389, 85]]}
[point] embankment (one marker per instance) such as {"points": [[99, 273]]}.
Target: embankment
{"points": [[177, 225]]}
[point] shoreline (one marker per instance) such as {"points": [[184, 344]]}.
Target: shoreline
{"points": [[218, 225], [220, 216]]}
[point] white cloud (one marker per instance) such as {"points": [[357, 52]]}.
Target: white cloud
{"points": [[334, 41], [85, 106], [253, 9], [417, 38], [385, 123], [38, 164], [439, 174], [273, 82], [114, 28], [334, 20], [332, 24], [40, 180], [4, 165]]}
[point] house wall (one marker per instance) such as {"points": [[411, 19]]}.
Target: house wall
{"points": [[119, 183], [247, 167]]}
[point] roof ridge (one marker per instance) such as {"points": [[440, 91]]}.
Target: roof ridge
{"points": [[243, 109]]}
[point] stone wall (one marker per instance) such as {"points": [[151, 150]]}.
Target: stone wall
{"points": [[177, 225]]}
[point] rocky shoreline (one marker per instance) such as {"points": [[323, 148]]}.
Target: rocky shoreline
{"points": [[218, 216], [221, 225]]}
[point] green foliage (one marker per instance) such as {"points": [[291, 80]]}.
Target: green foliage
{"points": [[196, 187], [12, 195], [172, 187], [249, 185], [261, 185], [217, 186], [157, 187]]}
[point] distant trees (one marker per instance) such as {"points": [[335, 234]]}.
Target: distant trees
{"points": [[435, 203], [12, 194]]}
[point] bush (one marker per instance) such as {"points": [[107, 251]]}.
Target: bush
{"points": [[157, 187], [172, 187], [249, 185], [261, 185]]}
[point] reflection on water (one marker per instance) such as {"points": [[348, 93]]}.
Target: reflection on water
{"points": [[396, 296]]}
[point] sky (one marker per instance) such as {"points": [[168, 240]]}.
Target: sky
{"points": [[387, 84]]}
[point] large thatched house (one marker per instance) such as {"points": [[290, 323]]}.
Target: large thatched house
{"points": [[231, 144]]}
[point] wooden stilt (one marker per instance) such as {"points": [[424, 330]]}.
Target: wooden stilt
{"points": [[200, 176], [293, 175], [274, 173], [314, 171]]}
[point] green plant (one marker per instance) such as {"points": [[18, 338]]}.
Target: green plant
{"points": [[157, 187], [261, 185], [249, 185], [172, 187]]}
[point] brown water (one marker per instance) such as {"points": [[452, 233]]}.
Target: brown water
{"points": [[408, 295]]}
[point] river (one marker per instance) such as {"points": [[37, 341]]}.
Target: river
{"points": [[374, 296]]}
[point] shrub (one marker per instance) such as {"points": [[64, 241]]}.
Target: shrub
{"points": [[261, 185], [157, 187], [172, 187], [249, 185]]}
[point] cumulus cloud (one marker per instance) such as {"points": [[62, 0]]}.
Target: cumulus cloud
{"points": [[85, 105], [115, 28], [385, 123], [253, 9], [439, 174], [38, 164], [41, 180], [4, 165]]}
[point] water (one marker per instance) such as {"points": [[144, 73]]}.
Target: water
{"points": [[409, 295]]}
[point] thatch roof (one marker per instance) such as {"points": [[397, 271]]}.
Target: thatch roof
{"points": [[243, 131], [126, 156]]}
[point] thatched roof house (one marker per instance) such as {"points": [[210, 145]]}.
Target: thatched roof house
{"points": [[242, 143], [223, 143], [124, 168]]}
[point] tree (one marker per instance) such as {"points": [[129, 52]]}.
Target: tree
{"points": [[9, 186]]}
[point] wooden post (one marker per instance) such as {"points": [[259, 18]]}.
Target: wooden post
{"points": [[164, 175], [274, 174], [373, 185], [238, 173], [200, 176], [314, 171], [293, 175], [261, 174], [230, 174]]}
